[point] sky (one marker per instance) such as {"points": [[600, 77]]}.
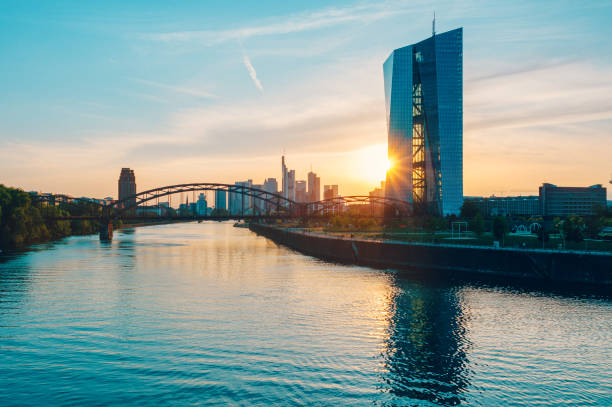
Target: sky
{"points": [[208, 91]]}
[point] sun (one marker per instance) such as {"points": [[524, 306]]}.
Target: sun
{"points": [[370, 164]]}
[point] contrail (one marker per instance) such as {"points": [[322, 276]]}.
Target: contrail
{"points": [[252, 73]]}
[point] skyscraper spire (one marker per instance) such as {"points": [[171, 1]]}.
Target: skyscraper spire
{"points": [[433, 26]]}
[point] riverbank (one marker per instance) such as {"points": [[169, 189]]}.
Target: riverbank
{"points": [[554, 266]]}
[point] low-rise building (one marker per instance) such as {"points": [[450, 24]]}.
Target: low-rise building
{"points": [[528, 205], [567, 201]]}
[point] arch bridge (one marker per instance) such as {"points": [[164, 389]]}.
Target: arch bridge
{"points": [[254, 203]]}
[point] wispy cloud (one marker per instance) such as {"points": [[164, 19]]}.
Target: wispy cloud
{"points": [[364, 13], [178, 89], [252, 73]]}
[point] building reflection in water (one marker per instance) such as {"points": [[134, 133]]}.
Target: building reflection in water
{"points": [[425, 354]]}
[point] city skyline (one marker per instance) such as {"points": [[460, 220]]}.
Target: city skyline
{"points": [[88, 91]]}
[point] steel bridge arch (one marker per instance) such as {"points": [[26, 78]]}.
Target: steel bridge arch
{"points": [[279, 202], [317, 208], [63, 199]]}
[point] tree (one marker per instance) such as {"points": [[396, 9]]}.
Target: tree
{"points": [[477, 225], [500, 228], [543, 235], [469, 209], [573, 229], [594, 225]]}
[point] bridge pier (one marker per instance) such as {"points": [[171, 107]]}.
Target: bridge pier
{"points": [[106, 230]]}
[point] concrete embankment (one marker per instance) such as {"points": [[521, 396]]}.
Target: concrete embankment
{"points": [[457, 260]]}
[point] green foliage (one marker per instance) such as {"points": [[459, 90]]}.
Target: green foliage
{"points": [[22, 223], [573, 229], [543, 235], [477, 225], [469, 209], [500, 227], [594, 225]]}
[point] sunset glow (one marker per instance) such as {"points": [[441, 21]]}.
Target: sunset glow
{"points": [[195, 97]]}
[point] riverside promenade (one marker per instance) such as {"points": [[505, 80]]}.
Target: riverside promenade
{"points": [[459, 261]]}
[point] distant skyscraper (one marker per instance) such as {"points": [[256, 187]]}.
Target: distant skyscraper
{"points": [[300, 191], [220, 200], [330, 191], [291, 185], [240, 203], [314, 187], [202, 205], [424, 106], [284, 180], [259, 205], [270, 185], [127, 186]]}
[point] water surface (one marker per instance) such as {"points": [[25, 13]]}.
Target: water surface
{"points": [[210, 314]]}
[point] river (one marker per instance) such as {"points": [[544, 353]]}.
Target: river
{"points": [[189, 314]]}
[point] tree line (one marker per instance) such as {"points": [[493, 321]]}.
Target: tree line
{"points": [[22, 222]]}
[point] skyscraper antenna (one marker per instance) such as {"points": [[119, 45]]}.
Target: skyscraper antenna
{"points": [[433, 25]]}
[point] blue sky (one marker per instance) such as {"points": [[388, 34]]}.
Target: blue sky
{"points": [[215, 91]]}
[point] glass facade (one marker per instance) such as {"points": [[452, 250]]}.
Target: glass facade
{"points": [[424, 106]]}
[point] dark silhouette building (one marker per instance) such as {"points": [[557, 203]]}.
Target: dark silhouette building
{"points": [[127, 187], [424, 106], [567, 201]]}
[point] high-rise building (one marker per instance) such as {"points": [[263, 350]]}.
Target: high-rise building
{"points": [[291, 185], [300, 191], [330, 191], [220, 200], [284, 179], [314, 187], [270, 185], [240, 203], [258, 204], [202, 205], [377, 207], [127, 186], [424, 107]]}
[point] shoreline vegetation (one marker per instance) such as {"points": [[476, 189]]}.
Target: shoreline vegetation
{"points": [[22, 223], [572, 233]]}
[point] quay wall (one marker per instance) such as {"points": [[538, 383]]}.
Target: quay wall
{"points": [[458, 260]]}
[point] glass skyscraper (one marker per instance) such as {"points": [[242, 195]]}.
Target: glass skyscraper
{"points": [[424, 106]]}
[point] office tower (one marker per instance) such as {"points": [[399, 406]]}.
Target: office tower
{"points": [[202, 205], [284, 179], [424, 108], [314, 187], [291, 185], [270, 185], [300, 191], [330, 191], [220, 200], [127, 186], [241, 203], [258, 204], [377, 206]]}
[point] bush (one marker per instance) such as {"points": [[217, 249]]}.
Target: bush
{"points": [[477, 225], [500, 227]]}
